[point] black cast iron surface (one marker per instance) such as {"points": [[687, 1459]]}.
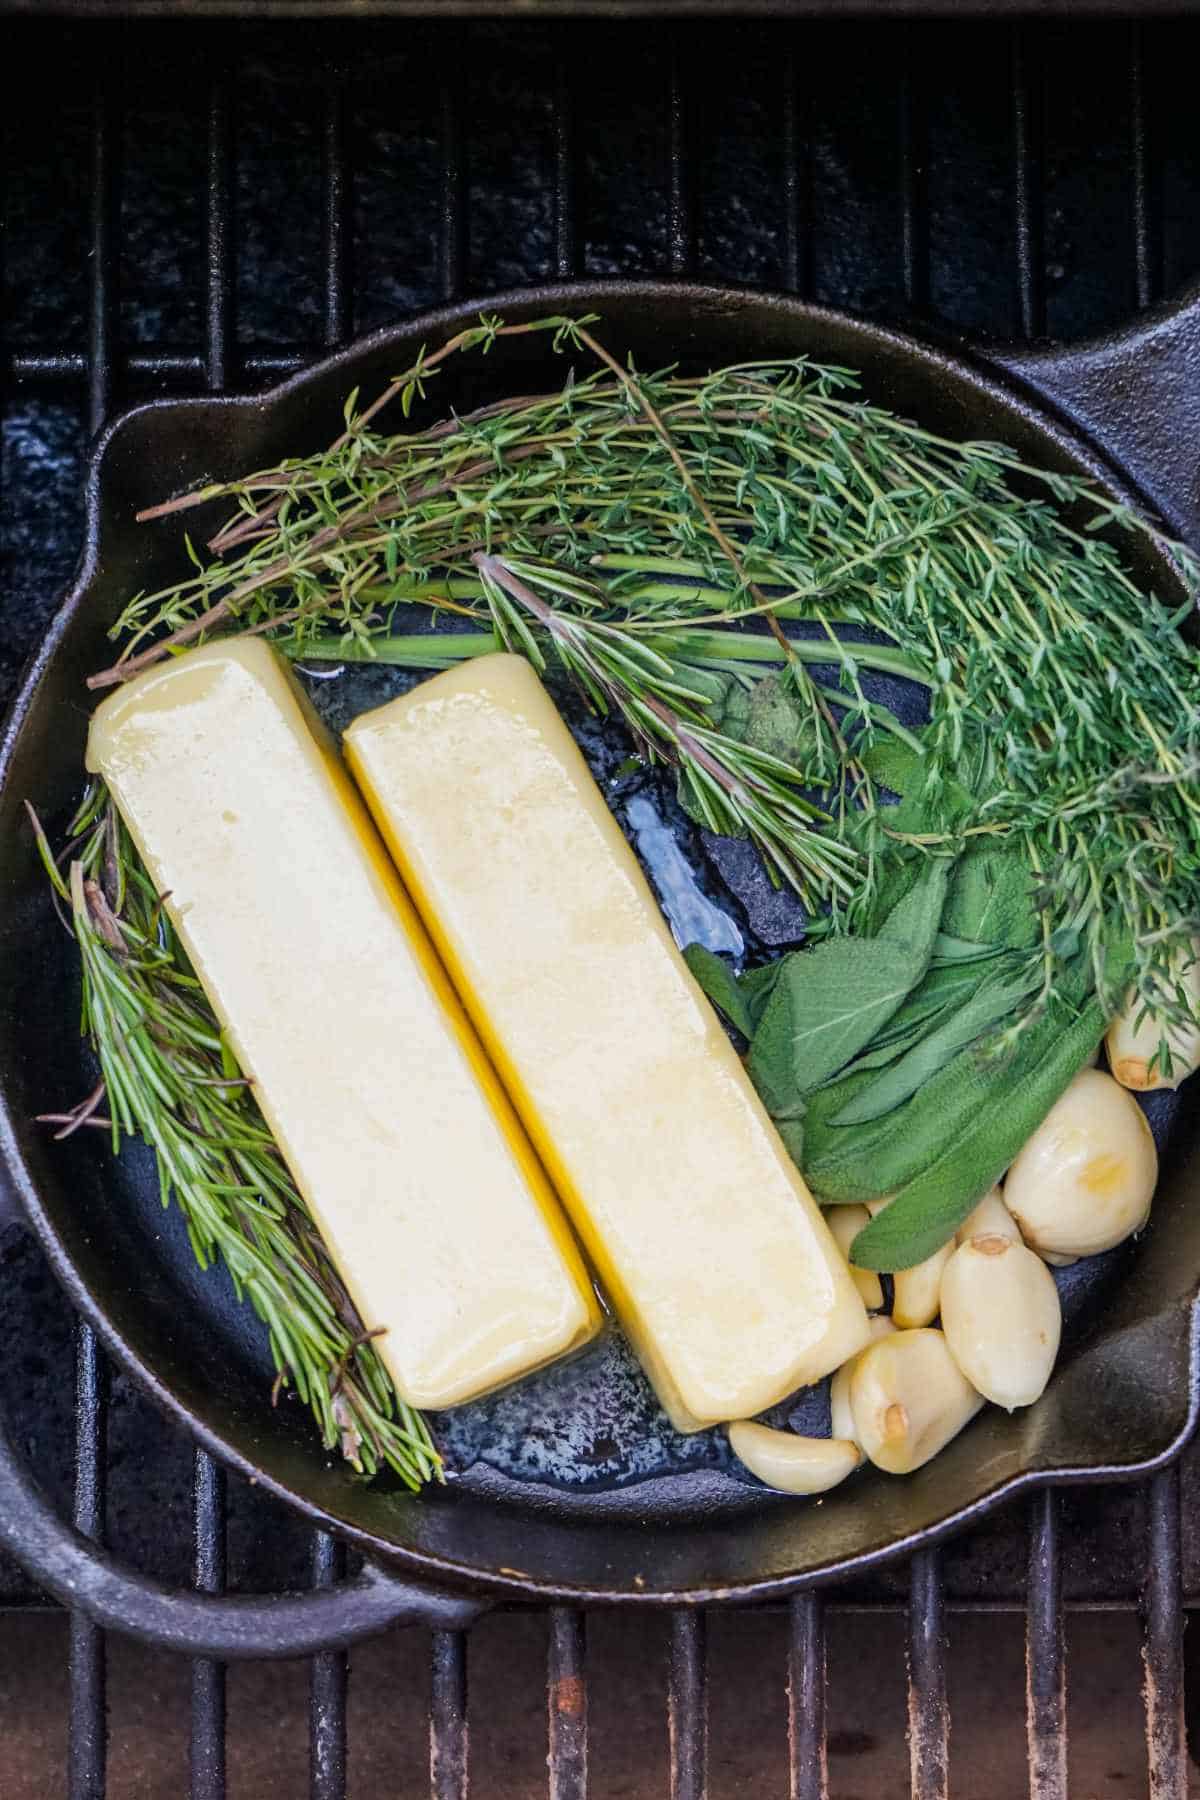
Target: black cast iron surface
{"points": [[1023, 198]]}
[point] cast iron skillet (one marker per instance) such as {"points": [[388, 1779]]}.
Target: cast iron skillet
{"points": [[1124, 1397]]}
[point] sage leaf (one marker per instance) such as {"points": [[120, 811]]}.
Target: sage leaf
{"points": [[991, 898], [721, 985], [827, 1003], [948, 949], [926, 1211], [757, 986], [792, 1133], [993, 1002]]}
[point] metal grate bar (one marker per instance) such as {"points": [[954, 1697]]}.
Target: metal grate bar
{"points": [[566, 1698], [87, 1752], [566, 239], [336, 186], [797, 182], [449, 1736], [1147, 221], [1027, 189], [208, 1678], [88, 1748], [681, 236], [452, 220], [1162, 1643], [191, 366], [687, 1706], [807, 1747], [218, 226], [102, 298], [1045, 1656], [327, 1689], [928, 1711], [914, 195]]}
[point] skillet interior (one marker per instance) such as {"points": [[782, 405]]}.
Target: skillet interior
{"points": [[1124, 1391]]}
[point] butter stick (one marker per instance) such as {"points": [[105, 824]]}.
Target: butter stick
{"points": [[420, 1178], [710, 1246]]}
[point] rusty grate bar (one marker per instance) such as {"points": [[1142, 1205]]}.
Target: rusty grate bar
{"points": [[1045, 1655], [87, 1670], [207, 1751], [914, 188], [928, 1708], [336, 213], [451, 214], [1027, 126], [681, 230], [1147, 198], [566, 236], [449, 1738], [797, 181], [328, 1676], [808, 1751], [102, 293], [1162, 1642], [188, 368], [88, 1746], [566, 1705], [687, 1706], [218, 231]]}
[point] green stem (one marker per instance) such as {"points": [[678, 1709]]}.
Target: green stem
{"points": [[704, 649]]}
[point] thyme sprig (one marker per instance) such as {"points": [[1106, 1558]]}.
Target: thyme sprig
{"points": [[169, 1078], [642, 503]]}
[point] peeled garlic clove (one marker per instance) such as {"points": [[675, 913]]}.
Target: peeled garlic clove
{"points": [[991, 1218], [1058, 1262], [1085, 1179], [841, 1418], [915, 1290], [909, 1398], [1002, 1319], [797, 1465], [1133, 1037], [845, 1222]]}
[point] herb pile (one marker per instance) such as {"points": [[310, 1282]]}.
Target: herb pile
{"points": [[726, 563], [168, 1076]]}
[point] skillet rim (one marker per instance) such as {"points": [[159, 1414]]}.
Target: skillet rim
{"points": [[987, 379]]}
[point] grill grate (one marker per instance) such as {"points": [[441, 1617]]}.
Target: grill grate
{"points": [[791, 128]]}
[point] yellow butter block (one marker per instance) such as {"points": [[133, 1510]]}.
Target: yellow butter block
{"points": [[405, 1147], [711, 1248]]}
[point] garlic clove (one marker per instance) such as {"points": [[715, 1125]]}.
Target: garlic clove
{"points": [[1002, 1319], [1133, 1037], [909, 1398], [991, 1218], [841, 1417], [845, 1222], [796, 1465], [916, 1290], [1085, 1179]]}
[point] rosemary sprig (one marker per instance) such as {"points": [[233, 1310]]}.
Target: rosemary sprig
{"points": [[168, 1077], [733, 786]]}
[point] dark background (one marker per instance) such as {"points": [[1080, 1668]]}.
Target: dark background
{"points": [[871, 167], [990, 180]]}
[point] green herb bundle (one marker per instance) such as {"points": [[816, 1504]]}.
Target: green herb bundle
{"points": [[728, 563], [168, 1077]]}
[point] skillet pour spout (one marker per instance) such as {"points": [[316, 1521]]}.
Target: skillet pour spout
{"points": [[1124, 1398]]}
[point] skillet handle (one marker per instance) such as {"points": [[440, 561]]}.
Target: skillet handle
{"points": [[1136, 393], [226, 1627]]}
